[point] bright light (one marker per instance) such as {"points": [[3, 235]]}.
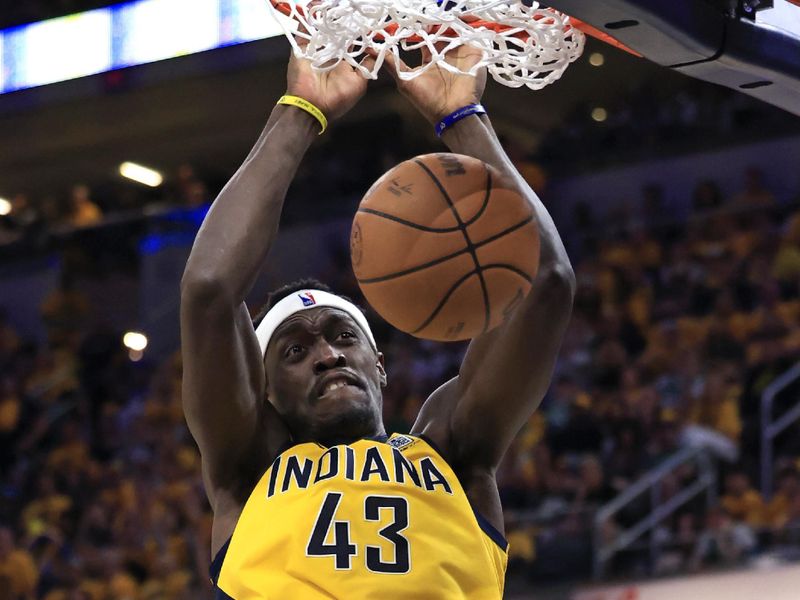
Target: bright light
{"points": [[597, 60], [599, 114], [126, 34], [141, 174], [5, 207], [135, 341]]}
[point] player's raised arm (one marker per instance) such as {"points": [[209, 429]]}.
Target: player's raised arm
{"points": [[506, 371], [224, 395]]}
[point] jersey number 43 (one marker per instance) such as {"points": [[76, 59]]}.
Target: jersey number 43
{"points": [[343, 550]]}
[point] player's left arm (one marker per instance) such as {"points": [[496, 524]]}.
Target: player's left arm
{"points": [[506, 372]]}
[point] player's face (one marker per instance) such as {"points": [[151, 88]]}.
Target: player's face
{"points": [[324, 377]]}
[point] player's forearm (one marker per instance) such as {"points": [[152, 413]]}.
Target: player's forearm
{"points": [[474, 136], [242, 223]]}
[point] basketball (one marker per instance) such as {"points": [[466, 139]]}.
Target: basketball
{"points": [[443, 247]]}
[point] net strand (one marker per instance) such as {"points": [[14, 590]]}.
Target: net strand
{"points": [[521, 45]]}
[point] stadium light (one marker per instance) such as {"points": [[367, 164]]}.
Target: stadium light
{"points": [[134, 340], [141, 174], [596, 59], [599, 114], [5, 207]]}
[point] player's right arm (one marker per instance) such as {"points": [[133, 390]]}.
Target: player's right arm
{"points": [[223, 377], [236, 428]]}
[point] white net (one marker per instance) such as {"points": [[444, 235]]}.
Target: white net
{"points": [[521, 45]]}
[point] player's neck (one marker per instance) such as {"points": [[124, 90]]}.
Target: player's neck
{"points": [[341, 438]]}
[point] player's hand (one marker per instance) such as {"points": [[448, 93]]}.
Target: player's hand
{"points": [[334, 92], [438, 92]]}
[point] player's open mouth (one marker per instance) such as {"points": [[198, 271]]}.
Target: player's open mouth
{"points": [[332, 384]]}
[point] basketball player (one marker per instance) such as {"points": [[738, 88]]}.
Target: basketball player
{"points": [[311, 499]]}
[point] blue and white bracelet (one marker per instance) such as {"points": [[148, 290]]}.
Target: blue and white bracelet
{"points": [[456, 116]]}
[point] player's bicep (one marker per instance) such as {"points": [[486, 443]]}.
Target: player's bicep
{"points": [[223, 382]]}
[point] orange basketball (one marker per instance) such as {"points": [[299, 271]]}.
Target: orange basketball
{"points": [[444, 247]]}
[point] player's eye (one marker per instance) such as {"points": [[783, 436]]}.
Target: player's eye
{"points": [[346, 334], [293, 350]]}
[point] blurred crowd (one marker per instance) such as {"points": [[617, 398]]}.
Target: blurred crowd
{"points": [[364, 151], [645, 122], [677, 329], [650, 122], [34, 221]]}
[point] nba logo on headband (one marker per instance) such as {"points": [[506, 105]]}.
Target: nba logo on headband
{"points": [[307, 298]]}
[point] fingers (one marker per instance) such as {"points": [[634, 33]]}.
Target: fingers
{"points": [[302, 35], [442, 45], [367, 65], [426, 53], [393, 64]]}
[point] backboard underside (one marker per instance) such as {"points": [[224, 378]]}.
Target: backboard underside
{"points": [[754, 48]]}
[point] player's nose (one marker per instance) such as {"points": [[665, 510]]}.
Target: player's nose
{"points": [[327, 357]]}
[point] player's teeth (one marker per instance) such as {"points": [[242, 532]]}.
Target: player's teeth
{"points": [[334, 386]]}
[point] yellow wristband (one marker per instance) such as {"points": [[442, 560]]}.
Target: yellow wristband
{"points": [[305, 105]]}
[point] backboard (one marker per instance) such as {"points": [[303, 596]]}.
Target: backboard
{"points": [[752, 46]]}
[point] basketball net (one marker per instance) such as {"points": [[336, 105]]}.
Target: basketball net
{"points": [[521, 45]]}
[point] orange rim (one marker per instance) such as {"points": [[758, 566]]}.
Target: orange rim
{"points": [[391, 28]]}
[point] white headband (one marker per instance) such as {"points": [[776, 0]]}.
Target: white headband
{"points": [[303, 300]]}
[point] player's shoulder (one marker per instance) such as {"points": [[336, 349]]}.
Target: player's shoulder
{"points": [[434, 418], [411, 443]]}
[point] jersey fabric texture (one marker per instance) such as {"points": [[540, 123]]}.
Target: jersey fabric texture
{"points": [[378, 518]]}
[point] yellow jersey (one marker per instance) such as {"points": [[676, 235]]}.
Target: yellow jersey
{"points": [[378, 518]]}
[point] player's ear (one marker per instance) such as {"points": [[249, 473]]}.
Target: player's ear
{"points": [[267, 392], [381, 364]]}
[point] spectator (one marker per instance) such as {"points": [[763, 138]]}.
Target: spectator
{"points": [[754, 195], [188, 189], [680, 545], [626, 460], [185, 177], [24, 215], [582, 433], [791, 531], [593, 489], [717, 408], [558, 402], [723, 542], [10, 421], [18, 575], [9, 339], [741, 502], [82, 212], [52, 211], [786, 266], [778, 510], [196, 195], [654, 210], [63, 312], [707, 196]]}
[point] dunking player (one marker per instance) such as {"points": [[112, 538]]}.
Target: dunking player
{"points": [[311, 499]]}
